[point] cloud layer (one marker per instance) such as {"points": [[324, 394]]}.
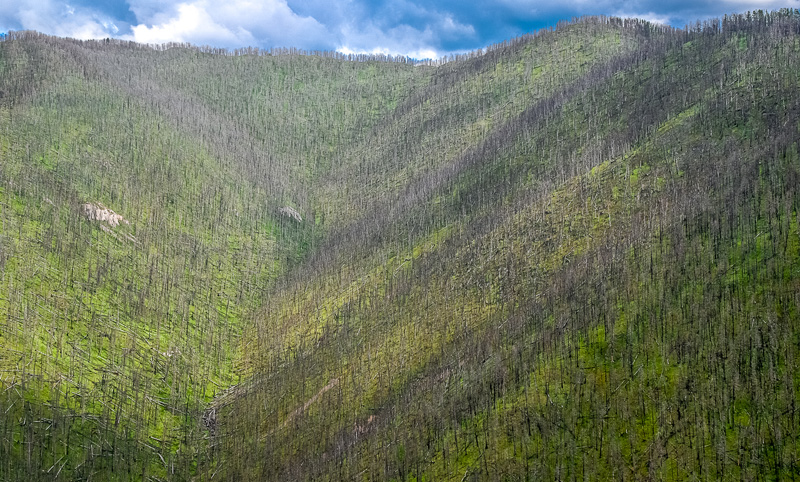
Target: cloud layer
{"points": [[397, 27], [234, 23], [56, 18]]}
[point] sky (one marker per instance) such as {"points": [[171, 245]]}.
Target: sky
{"points": [[415, 28]]}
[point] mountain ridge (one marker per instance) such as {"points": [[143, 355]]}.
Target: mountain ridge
{"points": [[575, 255]]}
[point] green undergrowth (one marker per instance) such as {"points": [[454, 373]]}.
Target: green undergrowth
{"points": [[573, 255], [553, 343], [133, 325]]}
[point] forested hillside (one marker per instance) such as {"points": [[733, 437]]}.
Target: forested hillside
{"points": [[573, 255]]}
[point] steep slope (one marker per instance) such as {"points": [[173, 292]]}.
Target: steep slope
{"points": [[573, 255], [560, 299], [116, 338]]}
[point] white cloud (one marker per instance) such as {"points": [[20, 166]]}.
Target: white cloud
{"points": [[398, 27], [450, 25], [236, 23], [670, 9], [414, 54], [111, 27], [152, 12], [191, 24], [403, 40], [762, 4], [56, 18], [273, 22], [649, 16]]}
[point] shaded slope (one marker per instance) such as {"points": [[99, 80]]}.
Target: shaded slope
{"points": [[533, 334]]}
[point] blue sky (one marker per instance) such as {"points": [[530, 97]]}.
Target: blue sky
{"points": [[419, 29]]}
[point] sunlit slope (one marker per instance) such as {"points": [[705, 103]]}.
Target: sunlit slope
{"points": [[116, 337], [465, 104], [118, 331]]}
